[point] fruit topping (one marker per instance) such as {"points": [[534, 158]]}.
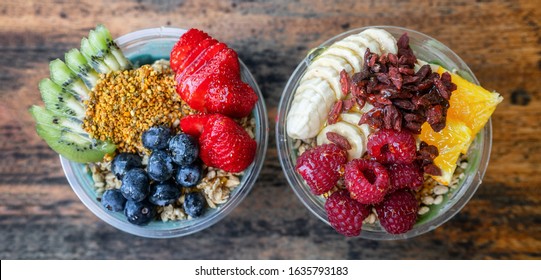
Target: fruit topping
{"points": [[184, 46], [402, 97], [194, 204], [345, 214], [65, 136], [321, 167], [113, 200], [366, 180], [124, 162], [160, 166], [451, 141], [398, 211], [139, 213], [389, 146], [470, 103], [184, 149], [323, 85], [223, 143], [193, 124], [405, 176], [135, 185], [156, 138], [164, 193], [188, 176], [208, 76]]}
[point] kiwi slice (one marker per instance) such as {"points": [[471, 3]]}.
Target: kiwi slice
{"points": [[80, 66], [66, 136], [105, 36], [60, 123], [59, 100], [64, 77], [103, 51], [93, 57]]}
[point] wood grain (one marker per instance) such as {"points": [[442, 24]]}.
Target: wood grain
{"points": [[41, 218]]}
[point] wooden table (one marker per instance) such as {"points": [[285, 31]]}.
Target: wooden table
{"points": [[41, 218]]}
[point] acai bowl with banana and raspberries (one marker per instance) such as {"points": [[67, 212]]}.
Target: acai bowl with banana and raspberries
{"points": [[161, 132], [384, 132]]}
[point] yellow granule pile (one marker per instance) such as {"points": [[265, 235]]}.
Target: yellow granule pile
{"points": [[124, 104]]}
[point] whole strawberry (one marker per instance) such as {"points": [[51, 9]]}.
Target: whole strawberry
{"points": [[321, 167], [366, 180], [346, 215], [223, 143], [398, 211]]}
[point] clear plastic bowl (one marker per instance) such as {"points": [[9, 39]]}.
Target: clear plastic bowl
{"points": [[427, 49], [145, 46]]}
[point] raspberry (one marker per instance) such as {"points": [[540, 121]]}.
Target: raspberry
{"points": [[398, 211], [408, 176], [389, 146], [366, 180], [345, 214], [320, 167]]}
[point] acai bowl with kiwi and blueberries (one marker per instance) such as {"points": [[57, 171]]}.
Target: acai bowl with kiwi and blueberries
{"points": [[161, 132], [384, 132]]}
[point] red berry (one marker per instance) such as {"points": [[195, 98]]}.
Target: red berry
{"points": [[346, 215], [226, 145], [193, 124], [404, 176], [321, 166], [183, 47], [208, 77], [366, 180], [389, 146], [398, 211], [231, 97]]}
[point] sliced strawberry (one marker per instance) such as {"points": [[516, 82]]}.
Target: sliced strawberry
{"points": [[193, 88], [187, 89], [230, 97], [226, 145], [193, 124], [185, 44], [195, 52], [203, 58]]}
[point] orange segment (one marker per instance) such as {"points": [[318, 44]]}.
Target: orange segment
{"points": [[450, 142], [470, 108], [471, 103]]}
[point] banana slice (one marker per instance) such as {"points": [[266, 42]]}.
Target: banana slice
{"points": [[385, 40], [309, 109], [354, 119], [325, 73], [355, 137], [347, 54], [365, 42], [320, 86]]}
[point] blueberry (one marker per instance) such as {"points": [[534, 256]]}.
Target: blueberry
{"points": [[113, 200], [194, 204], [139, 213], [184, 149], [160, 166], [156, 137], [164, 193], [188, 175], [135, 185], [124, 162]]}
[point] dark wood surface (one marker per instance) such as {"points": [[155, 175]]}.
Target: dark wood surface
{"points": [[41, 218]]}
